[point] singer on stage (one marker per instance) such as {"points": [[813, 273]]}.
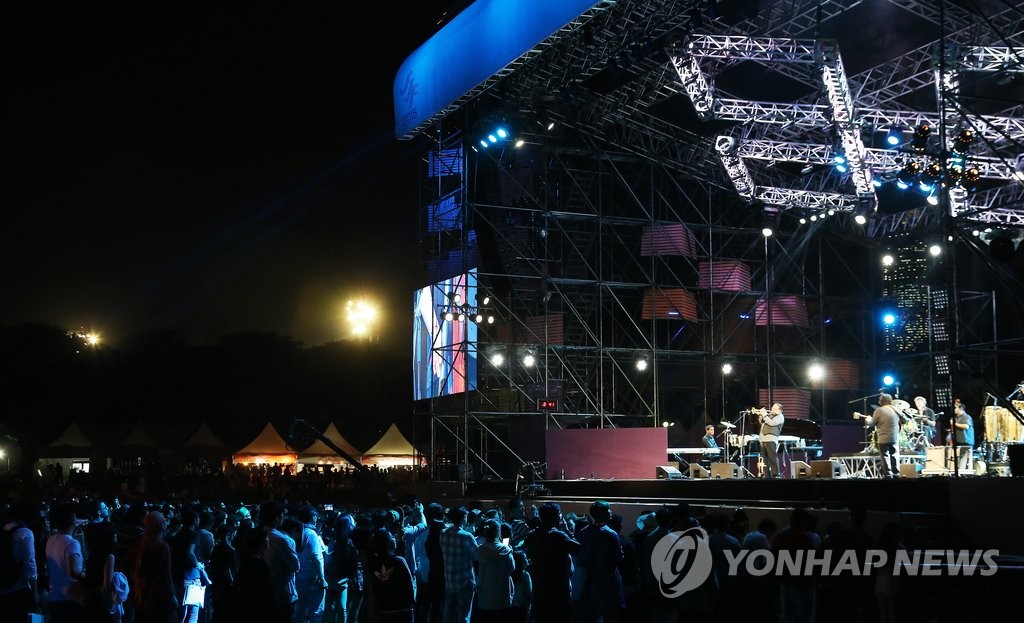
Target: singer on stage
{"points": [[771, 428]]}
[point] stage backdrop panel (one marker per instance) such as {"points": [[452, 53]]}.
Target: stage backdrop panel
{"points": [[606, 452]]}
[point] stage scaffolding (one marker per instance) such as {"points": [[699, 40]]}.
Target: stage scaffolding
{"points": [[628, 225]]}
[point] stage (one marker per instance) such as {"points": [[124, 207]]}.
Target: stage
{"points": [[985, 509]]}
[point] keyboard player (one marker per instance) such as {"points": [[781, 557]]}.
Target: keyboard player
{"points": [[708, 441]]}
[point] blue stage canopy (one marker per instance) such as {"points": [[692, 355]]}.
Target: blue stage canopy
{"points": [[477, 44]]}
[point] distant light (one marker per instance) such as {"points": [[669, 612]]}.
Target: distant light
{"points": [[641, 364], [479, 318], [889, 318], [831, 211], [860, 219], [888, 260], [529, 360], [502, 133], [744, 316], [520, 143], [814, 217], [949, 238], [497, 360], [888, 380], [487, 300], [766, 232], [92, 339], [490, 320], [816, 372], [551, 126], [803, 221], [726, 368], [484, 143], [935, 250], [975, 233], [492, 138], [933, 199]]}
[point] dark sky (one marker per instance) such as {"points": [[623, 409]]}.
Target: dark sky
{"points": [[209, 171]]}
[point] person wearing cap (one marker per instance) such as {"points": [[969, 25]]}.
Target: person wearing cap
{"points": [[149, 573]]}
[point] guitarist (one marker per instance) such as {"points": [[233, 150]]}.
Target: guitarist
{"points": [[887, 430]]}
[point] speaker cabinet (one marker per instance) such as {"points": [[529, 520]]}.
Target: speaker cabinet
{"points": [[668, 472], [698, 473], [909, 470], [827, 469], [799, 469], [721, 471]]}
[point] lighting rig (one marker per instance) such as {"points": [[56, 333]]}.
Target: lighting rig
{"points": [[457, 310]]}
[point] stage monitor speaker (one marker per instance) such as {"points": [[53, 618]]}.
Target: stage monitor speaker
{"points": [[698, 473], [827, 469], [668, 472], [938, 459], [721, 471], [910, 470], [799, 469]]}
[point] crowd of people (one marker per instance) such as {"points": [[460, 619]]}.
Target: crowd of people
{"points": [[98, 560]]}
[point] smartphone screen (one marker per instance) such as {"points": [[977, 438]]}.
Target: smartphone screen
{"points": [[504, 541], [328, 507]]}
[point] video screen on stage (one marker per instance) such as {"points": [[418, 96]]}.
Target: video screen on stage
{"points": [[444, 347]]}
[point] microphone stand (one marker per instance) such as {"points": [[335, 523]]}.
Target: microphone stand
{"points": [[864, 407]]}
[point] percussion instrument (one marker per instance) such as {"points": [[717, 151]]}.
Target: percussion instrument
{"points": [[1001, 426], [900, 405], [910, 426]]}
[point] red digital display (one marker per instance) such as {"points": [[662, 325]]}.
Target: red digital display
{"points": [[547, 404]]}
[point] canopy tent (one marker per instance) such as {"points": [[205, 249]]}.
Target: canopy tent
{"points": [[268, 447], [72, 449], [320, 453], [392, 449], [204, 443], [138, 439]]}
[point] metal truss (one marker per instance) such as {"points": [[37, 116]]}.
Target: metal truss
{"points": [[989, 58], [806, 200]]}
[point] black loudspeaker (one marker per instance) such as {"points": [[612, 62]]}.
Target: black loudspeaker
{"points": [[799, 470], [721, 471], [827, 469], [697, 472], [668, 472]]}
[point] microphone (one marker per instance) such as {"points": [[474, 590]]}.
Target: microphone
{"points": [[996, 398]]}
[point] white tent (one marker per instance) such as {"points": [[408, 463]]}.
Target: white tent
{"points": [[268, 447], [71, 450], [320, 453], [204, 444], [138, 439], [392, 449]]}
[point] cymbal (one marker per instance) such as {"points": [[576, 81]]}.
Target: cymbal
{"points": [[727, 425], [900, 404]]}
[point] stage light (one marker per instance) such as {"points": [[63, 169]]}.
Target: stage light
{"points": [[907, 174], [520, 143], [501, 132], [839, 161], [888, 379], [457, 298], [529, 360], [806, 169], [490, 320], [935, 250], [726, 368], [877, 183], [766, 232], [963, 140], [814, 217], [492, 138], [920, 140], [487, 300], [497, 359], [484, 143], [831, 212], [860, 219], [449, 316], [888, 318], [462, 317], [930, 176], [975, 233], [641, 364], [888, 259], [479, 318], [803, 221], [932, 199], [894, 136], [816, 372], [971, 177]]}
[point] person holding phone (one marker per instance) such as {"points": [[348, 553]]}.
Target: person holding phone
{"points": [[495, 566]]}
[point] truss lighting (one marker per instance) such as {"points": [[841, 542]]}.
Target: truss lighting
{"points": [[971, 177], [726, 368], [497, 360], [930, 176], [935, 250], [963, 140], [888, 259], [816, 372], [933, 199], [888, 379], [860, 219], [908, 174], [641, 364], [920, 140], [888, 318], [839, 161], [766, 232], [803, 221], [894, 136], [529, 360]]}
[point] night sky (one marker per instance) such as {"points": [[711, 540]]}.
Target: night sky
{"points": [[208, 171]]}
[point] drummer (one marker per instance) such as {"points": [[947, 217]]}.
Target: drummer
{"points": [[925, 417]]}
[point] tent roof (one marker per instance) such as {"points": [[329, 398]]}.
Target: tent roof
{"points": [[72, 437], [319, 449], [393, 443], [204, 437], [267, 442], [139, 437]]}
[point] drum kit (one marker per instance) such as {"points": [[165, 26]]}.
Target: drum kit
{"points": [[913, 435]]}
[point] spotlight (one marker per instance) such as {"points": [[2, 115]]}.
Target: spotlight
{"points": [[766, 232], [641, 364], [831, 212], [930, 176], [839, 160], [814, 217], [935, 250], [520, 143], [963, 140], [894, 136], [971, 177], [449, 316], [816, 372], [479, 318], [932, 199], [726, 368], [497, 359], [908, 174], [484, 143], [920, 140], [490, 320], [888, 318], [803, 221], [888, 379], [807, 169], [529, 360], [888, 259], [501, 132], [860, 219], [492, 138]]}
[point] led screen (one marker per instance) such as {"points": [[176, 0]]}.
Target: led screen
{"points": [[444, 351]]}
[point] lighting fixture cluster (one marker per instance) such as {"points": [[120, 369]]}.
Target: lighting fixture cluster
{"points": [[500, 136], [456, 310], [818, 216], [927, 175]]}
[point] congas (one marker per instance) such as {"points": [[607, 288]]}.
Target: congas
{"points": [[1001, 426]]}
